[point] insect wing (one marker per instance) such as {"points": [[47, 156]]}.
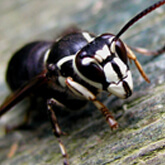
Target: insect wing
{"points": [[24, 91]]}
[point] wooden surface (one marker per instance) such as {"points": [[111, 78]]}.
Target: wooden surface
{"points": [[140, 138]]}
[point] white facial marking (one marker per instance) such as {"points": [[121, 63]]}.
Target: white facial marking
{"points": [[113, 47], [117, 90], [121, 65], [104, 52], [98, 58], [87, 36], [87, 60], [110, 40], [110, 74]]}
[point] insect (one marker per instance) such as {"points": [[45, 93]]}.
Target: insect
{"points": [[73, 70]]}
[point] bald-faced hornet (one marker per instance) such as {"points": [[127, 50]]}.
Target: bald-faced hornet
{"points": [[73, 70]]}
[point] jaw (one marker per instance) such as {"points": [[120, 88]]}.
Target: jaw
{"points": [[124, 88]]}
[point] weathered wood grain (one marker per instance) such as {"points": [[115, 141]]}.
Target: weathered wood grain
{"points": [[141, 136]]}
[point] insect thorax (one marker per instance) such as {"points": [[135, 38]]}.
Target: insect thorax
{"points": [[63, 52]]}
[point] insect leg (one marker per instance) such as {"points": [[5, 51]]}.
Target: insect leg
{"points": [[149, 52], [132, 56], [51, 103], [23, 92], [84, 92]]}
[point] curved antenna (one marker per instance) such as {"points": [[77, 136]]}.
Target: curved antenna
{"points": [[139, 16]]}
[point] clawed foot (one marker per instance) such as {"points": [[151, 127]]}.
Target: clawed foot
{"points": [[112, 123]]}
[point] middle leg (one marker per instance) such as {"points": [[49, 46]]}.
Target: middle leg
{"points": [[51, 104]]}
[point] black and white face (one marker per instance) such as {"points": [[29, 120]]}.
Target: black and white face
{"points": [[119, 77], [103, 64]]}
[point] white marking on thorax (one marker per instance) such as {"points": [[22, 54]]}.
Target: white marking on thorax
{"points": [[87, 36], [46, 56], [61, 80], [63, 60]]}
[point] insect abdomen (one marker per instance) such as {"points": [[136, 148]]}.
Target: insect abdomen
{"points": [[26, 63]]}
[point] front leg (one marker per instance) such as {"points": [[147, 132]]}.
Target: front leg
{"points": [[84, 92], [51, 104]]}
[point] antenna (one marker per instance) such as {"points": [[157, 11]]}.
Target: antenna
{"points": [[138, 17]]}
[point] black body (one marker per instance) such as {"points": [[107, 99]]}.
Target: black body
{"points": [[28, 62]]}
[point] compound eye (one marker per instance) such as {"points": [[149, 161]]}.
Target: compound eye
{"points": [[121, 51], [119, 46], [90, 69]]}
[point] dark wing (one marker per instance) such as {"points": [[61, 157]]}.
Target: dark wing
{"points": [[23, 92]]}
